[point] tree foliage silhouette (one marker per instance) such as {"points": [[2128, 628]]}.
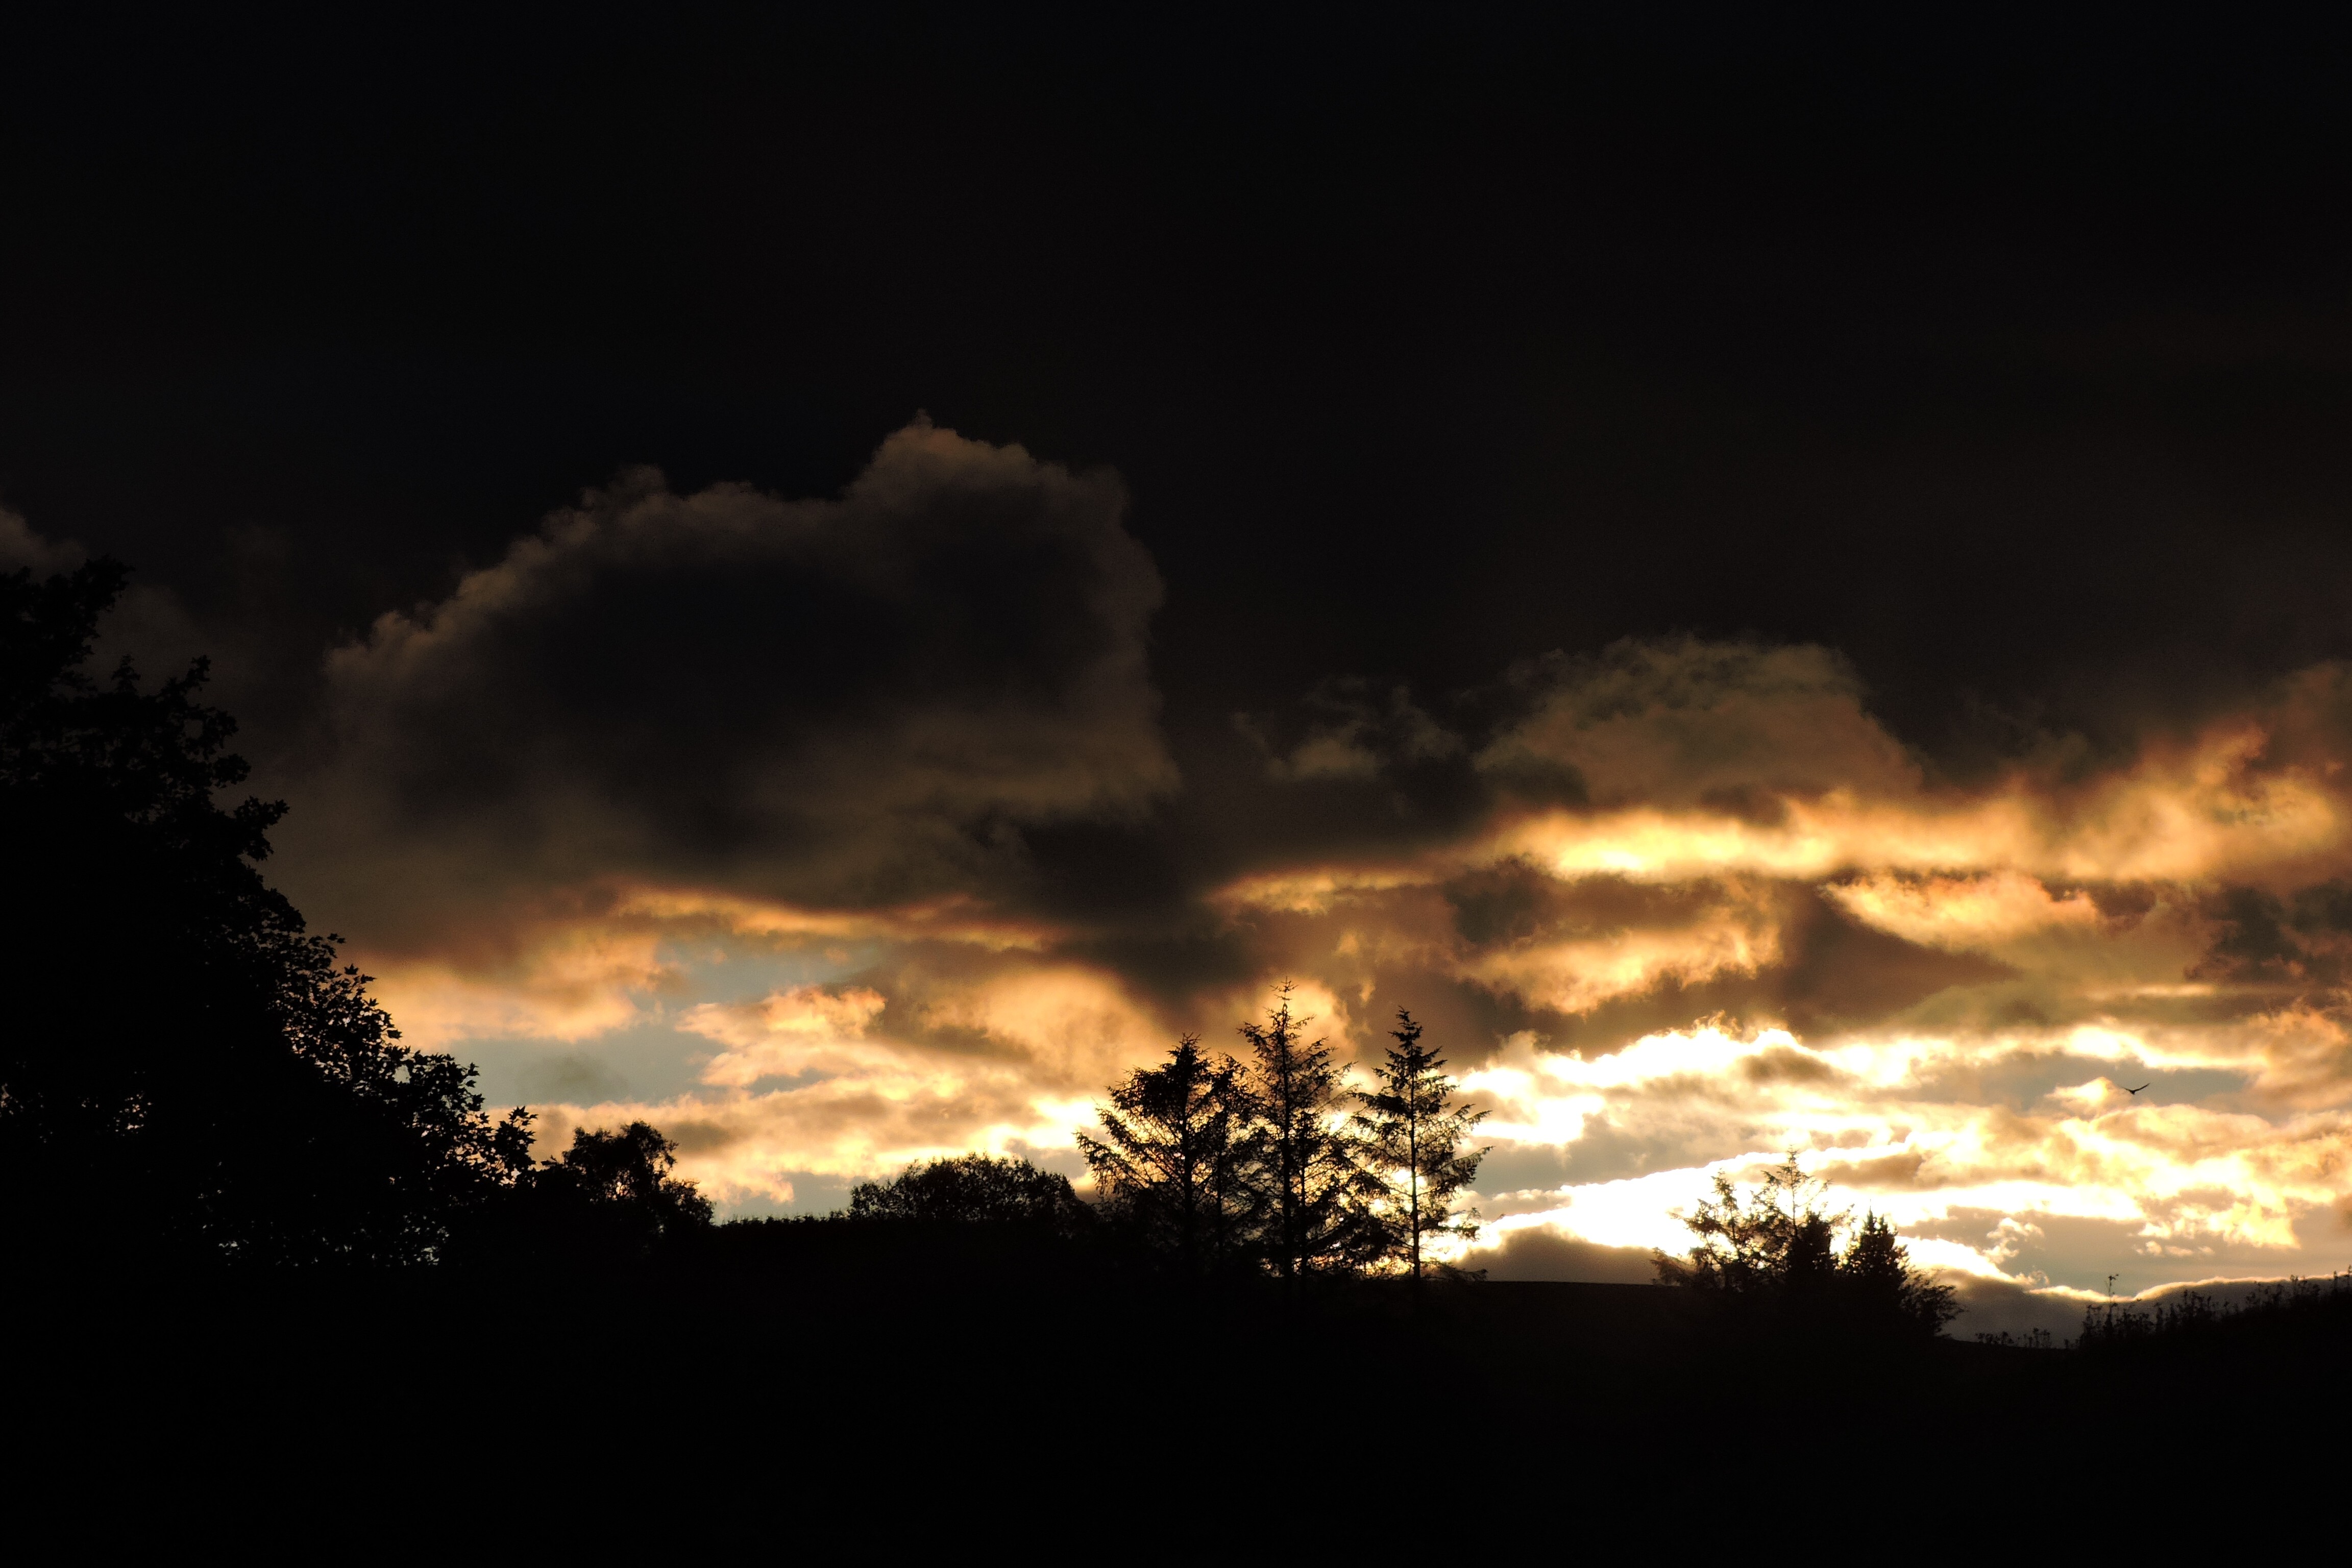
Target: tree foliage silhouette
{"points": [[1778, 1244], [187, 1071], [975, 1189], [1412, 1134], [1173, 1163], [612, 1195], [1775, 1235], [1318, 1209], [1877, 1275]]}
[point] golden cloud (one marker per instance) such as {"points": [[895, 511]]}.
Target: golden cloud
{"points": [[1755, 923], [2202, 814], [2176, 1174], [816, 1079], [1992, 910], [566, 981], [805, 1029]]}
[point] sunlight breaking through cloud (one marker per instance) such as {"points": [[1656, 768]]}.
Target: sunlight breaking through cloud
{"points": [[1748, 921]]}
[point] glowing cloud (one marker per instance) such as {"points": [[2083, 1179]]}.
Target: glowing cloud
{"points": [[1706, 911]]}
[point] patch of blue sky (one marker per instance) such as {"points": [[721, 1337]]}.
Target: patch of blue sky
{"points": [[741, 971], [652, 1059], [812, 1193], [647, 1061]]}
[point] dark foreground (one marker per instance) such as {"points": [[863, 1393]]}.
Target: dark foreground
{"points": [[951, 1393]]}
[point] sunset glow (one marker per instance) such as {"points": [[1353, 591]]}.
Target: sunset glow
{"points": [[1175, 773], [829, 592], [1934, 994]]}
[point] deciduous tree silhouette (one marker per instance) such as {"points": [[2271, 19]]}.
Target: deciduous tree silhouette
{"points": [[1173, 1162], [1412, 1134], [1320, 1205], [1777, 1236], [975, 1189], [613, 1195], [186, 1071], [1778, 1244]]}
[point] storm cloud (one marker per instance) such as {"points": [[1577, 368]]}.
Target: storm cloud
{"points": [[845, 703]]}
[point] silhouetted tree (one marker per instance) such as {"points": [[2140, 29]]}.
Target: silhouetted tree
{"points": [[1779, 1244], [1173, 1163], [1412, 1136], [186, 1070], [975, 1189], [1876, 1272], [1777, 1236], [1318, 1206], [614, 1194]]}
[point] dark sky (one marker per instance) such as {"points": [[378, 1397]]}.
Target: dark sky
{"points": [[2007, 355]]}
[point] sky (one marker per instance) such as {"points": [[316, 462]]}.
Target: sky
{"points": [[839, 581]]}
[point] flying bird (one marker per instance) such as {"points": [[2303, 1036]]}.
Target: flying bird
{"points": [[2137, 1091]]}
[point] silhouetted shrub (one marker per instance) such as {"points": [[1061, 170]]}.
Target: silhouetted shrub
{"points": [[2279, 1310], [2030, 1339]]}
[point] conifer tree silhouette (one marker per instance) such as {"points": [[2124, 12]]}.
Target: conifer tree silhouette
{"points": [[1413, 1135], [1174, 1160], [1876, 1270], [1318, 1198]]}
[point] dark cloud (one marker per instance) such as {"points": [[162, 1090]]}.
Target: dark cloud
{"points": [[1533, 1252], [1782, 1065], [1347, 729], [21, 549], [1670, 722], [843, 702], [155, 628], [1872, 1172], [1845, 975], [2300, 941], [2005, 1307], [1515, 902], [2253, 939]]}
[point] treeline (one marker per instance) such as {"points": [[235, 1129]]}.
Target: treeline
{"points": [[1274, 1163], [1209, 1165], [190, 1075], [2278, 1309], [1272, 1166]]}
